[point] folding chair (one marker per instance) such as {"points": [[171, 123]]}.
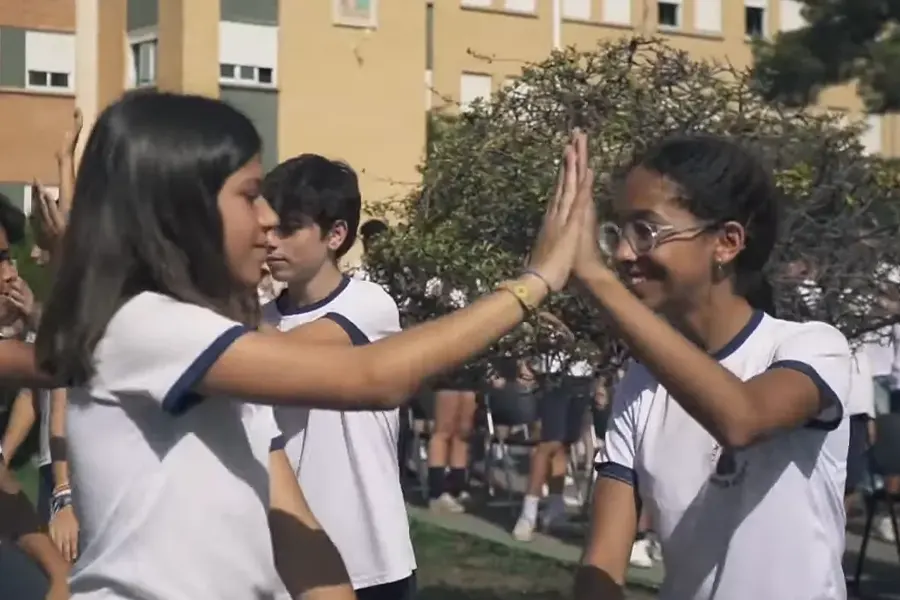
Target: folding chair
{"points": [[884, 460]]}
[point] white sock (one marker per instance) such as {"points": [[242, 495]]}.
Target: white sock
{"points": [[530, 508]]}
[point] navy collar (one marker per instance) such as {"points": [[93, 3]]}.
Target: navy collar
{"points": [[741, 337], [286, 309]]}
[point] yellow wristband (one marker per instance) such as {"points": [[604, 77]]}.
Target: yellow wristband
{"points": [[521, 293]]}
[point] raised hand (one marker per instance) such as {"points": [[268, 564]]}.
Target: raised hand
{"points": [[588, 257], [557, 242], [47, 219], [65, 157]]}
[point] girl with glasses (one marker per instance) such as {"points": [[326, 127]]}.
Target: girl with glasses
{"points": [[728, 426]]}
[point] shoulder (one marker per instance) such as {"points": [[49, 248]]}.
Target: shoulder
{"points": [[151, 320], [370, 297], [815, 337]]}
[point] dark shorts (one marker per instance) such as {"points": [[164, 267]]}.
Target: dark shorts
{"points": [[857, 455], [562, 408], [422, 404], [513, 405], [405, 589]]}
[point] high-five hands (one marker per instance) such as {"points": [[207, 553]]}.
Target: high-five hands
{"points": [[558, 242]]}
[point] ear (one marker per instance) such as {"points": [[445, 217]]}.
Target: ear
{"points": [[731, 241], [337, 235]]}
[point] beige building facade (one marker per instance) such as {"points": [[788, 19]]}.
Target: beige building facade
{"points": [[351, 79]]}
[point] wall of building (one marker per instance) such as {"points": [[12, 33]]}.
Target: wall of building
{"points": [[354, 89], [37, 86]]}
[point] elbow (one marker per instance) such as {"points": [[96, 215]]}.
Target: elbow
{"points": [[383, 389], [739, 430]]}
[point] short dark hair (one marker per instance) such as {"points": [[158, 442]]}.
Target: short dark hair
{"points": [[12, 219], [371, 229], [145, 217], [313, 189]]}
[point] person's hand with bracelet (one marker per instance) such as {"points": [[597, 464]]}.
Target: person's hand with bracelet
{"points": [[63, 523]]}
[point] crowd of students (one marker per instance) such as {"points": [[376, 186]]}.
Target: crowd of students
{"points": [[219, 449]]}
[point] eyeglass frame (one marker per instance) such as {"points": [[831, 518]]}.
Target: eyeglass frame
{"points": [[661, 233]]}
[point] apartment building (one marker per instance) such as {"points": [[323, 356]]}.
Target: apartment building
{"points": [[37, 91], [464, 33], [351, 79]]}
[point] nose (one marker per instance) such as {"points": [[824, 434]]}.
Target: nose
{"points": [[265, 215], [624, 253]]}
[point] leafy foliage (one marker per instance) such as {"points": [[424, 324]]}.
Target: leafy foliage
{"points": [[487, 177], [844, 40]]}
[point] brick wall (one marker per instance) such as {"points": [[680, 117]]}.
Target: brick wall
{"points": [[53, 15]]}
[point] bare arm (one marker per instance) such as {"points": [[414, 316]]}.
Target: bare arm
{"points": [[21, 419], [320, 331], [604, 564], [18, 366], [19, 522], [58, 450], [274, 368], [306, 559], [735, 412]]}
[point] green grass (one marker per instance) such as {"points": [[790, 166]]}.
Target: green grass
{"points": [[28, 478], [454, 566]]}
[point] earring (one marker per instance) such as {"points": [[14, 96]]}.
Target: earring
{"points": [[720, 269]]}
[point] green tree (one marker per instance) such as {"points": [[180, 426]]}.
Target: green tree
{"points": [[488, 175], [843, 41]]}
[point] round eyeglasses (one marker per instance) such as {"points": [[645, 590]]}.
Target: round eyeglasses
{"points": [[642, 236]]}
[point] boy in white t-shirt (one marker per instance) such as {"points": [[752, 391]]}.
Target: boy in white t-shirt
{"points": [[346, 462]]}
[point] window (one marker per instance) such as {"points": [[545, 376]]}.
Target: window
{"points": [[617, 12], [43, 79], [708, 16], [49, 61], [248, 54], [792, 15], [872, 135], [522, 6], [246, 74], [755, 17], [668, 14], [754, 21], [356, 13], [473, 86], [577, 9], [144, 55]]}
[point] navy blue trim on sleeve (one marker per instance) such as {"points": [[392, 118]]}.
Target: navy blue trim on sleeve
{"points": [[278, 443], [618, 472], [357, 337], [181, 395], [830, 403]]}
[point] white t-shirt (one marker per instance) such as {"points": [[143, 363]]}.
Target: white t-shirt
{"points": [[171, 488], [346, 462], [862, 390], [765, 521]]}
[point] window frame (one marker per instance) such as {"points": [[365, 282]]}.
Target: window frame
{"points": [[342, 17]]}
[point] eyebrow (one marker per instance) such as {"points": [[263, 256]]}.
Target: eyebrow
{"points": [[642, 214]]}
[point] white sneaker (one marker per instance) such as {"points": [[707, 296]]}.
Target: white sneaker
{"points": [[524, 530], [640, 555], [445, 503], [885, 530]]}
